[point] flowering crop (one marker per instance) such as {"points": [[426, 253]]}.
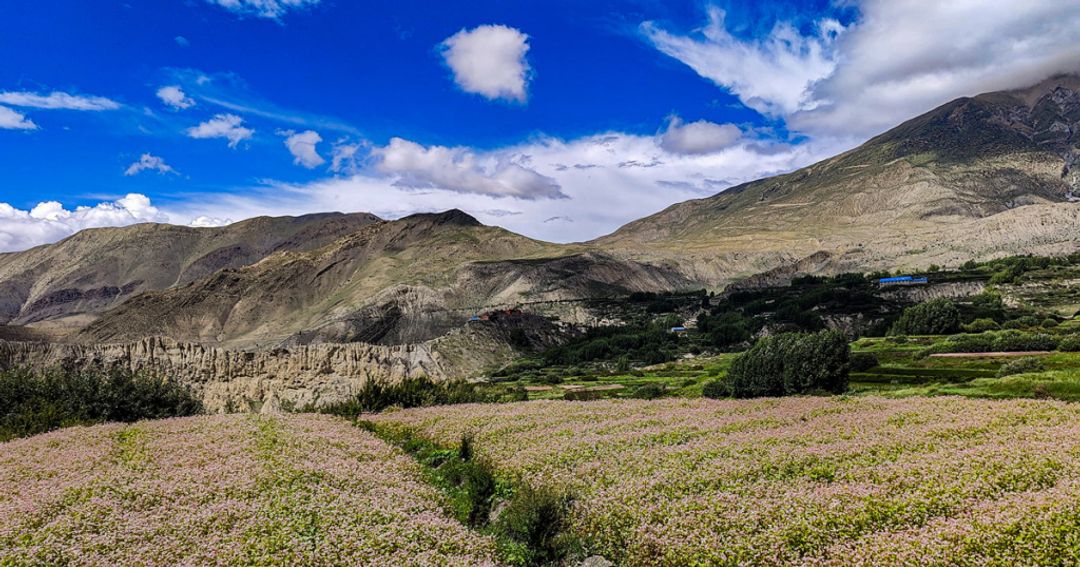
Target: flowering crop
{"points": [[813, 481], [298, 490]]}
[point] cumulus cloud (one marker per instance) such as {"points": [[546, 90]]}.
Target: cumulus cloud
{"points": [[228, 126], [147, 161], [270, 9], [899, 59], [57, 101], [50, 221], [12, 120], [701, 137], [302, 146], [772, 75], [601, 195], [489, 61], [174, 96], [461, 170]]}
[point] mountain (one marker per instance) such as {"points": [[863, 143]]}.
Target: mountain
{"points": [[389, 282], [69, 283], [978, 177]]}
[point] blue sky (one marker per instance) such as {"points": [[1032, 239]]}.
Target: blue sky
{"points": [[561, 120]]}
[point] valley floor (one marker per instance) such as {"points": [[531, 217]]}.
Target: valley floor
{"points": [[807, 480], [803, 480], [223, 490]]}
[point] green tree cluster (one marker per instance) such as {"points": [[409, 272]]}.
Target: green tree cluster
{"points": [[791, 363]]}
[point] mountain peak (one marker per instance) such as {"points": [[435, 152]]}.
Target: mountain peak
{"points": [[455, 217]]}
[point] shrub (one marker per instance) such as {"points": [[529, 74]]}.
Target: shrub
{"points": [[716, 389], [1016, 341], [863, 361], [32, 403], [411, 392], [649, 391], [966, 343], [934, 317], [1069, 343], [1021, 366], [981, 325], [1049, 323], [535, 517], [792, 363]]}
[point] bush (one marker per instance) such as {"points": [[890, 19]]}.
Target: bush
{"points": [[934, 317], [412, 392], [1021, 366], [792, 363], [649, 391], [535, 517], [966, 343], [1049, 323], [981, 325], [716, 389], [1069, 343], [863, 361], [1016, 341], [32, 403]]}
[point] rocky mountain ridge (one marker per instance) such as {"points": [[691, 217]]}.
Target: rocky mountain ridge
{"points": [[978, 177]]}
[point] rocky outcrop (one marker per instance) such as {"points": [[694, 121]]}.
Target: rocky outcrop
{"points": [[299, 375], [242, 381]]}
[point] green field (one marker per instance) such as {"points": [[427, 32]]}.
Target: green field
{"points": [[902, 372]]}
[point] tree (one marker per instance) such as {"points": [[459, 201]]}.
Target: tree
{"points": [[792, 363], [934, 317]]}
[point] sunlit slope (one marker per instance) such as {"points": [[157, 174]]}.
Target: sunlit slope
{"points": [[978, 177]]}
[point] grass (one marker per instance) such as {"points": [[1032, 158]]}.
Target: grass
{"points": [[902, 371]]}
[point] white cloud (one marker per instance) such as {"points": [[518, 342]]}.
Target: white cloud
{"points": [[489, 61], [147, 161], [175, 97], [57, 101], [181, 41], [772, 75], [899, 59], [49, 221], [905, 57], [12, 120], [344, 158], [231, 93], [596, 174], [461, 170], [302, 146], [228, 126], [270, 9], [701, 137], [600, 181], [206, 222]]}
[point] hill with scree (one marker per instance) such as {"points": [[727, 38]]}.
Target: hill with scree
{"points": [[976, 178], [64, 285], [399, 282]]}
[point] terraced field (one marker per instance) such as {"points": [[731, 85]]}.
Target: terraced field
{"points": [[814, 481]]}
